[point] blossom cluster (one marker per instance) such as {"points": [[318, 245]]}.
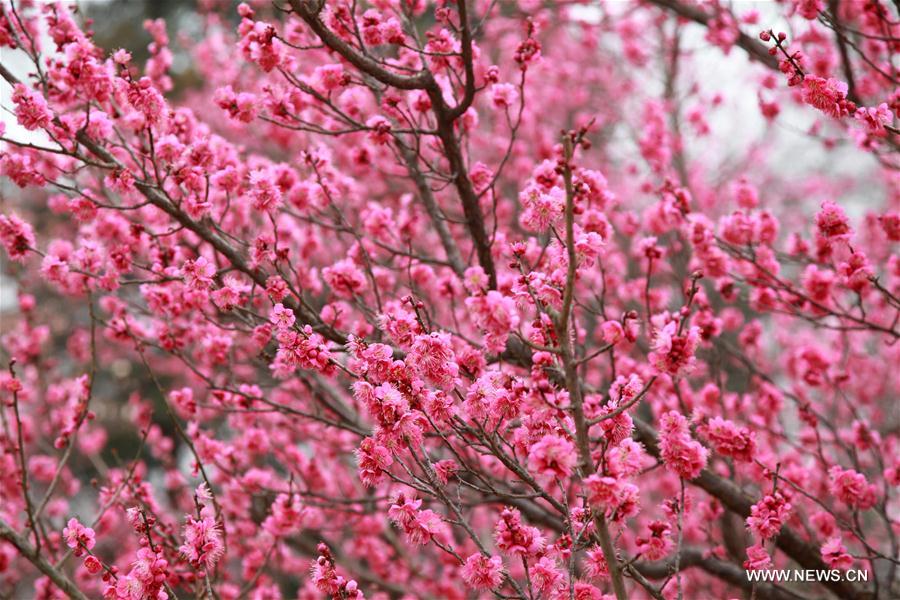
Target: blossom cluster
{"points": [[450, 300]]}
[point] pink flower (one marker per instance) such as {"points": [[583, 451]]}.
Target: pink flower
{"points": [[198, 274], [264, 193], [446, 469], [282, 318], [54, 269], [483, 572], [345, 278], [16, 236], [659, 543], [489, 400], [892, 476], [420, 526], [745, 193], [542, 209], [729, 439], [890, 223], [829, 96], [737, 228], [616, 498], [399, 324], [588, 247], [595, 564], [612, 332], [832, 222], [673, 352], [624, 390], [818, 283], [852, 488], [183, 400], [22, 169], [379, 130], [121, 56], [809, 9], [242, 107], [433, 359], [875, 118], [146, 578], [626, 458], [83, 208], [231, 294], [372, 27], [768, 515], [374, 460], [515, 538], [92, 564], [78, 537], [203, 545], [403, 512], [835, 554], [475, 280], [286, 516], [504, 95], [147, 100], [100, 127], [385, 403], [679, 451], [259, 43], [331, 77], [276, 288], [32, 111], [439, 46], [304, 349], [552, 456], [856, 272], [545, 575], [496, 315], [722, 30], [757, 558], [616, 428]]}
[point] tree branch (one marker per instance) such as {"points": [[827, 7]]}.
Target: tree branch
{"points": [[468, 64], [724, 570], [756, 50], [434, 212], [446, 117], [34, 556], [573, 385], [308, 10], [735, 500]]}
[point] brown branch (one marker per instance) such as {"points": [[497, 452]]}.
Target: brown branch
{"points": [[308, 10], [756, 50], [735, 500], [20, 447], [846, 65], [724, 570], [468, 64], [34, 557], [467, 195], [307, 543], [161, 201], [573, 385], [426, 195], [445, 115]]}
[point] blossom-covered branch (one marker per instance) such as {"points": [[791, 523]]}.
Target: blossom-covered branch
{"points": [[451, 300]]}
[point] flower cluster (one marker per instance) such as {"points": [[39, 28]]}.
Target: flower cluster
{"points": [[448, 299], [681, 453]]}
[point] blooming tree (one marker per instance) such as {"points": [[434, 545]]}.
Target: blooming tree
{"points": [[450, 299]]}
